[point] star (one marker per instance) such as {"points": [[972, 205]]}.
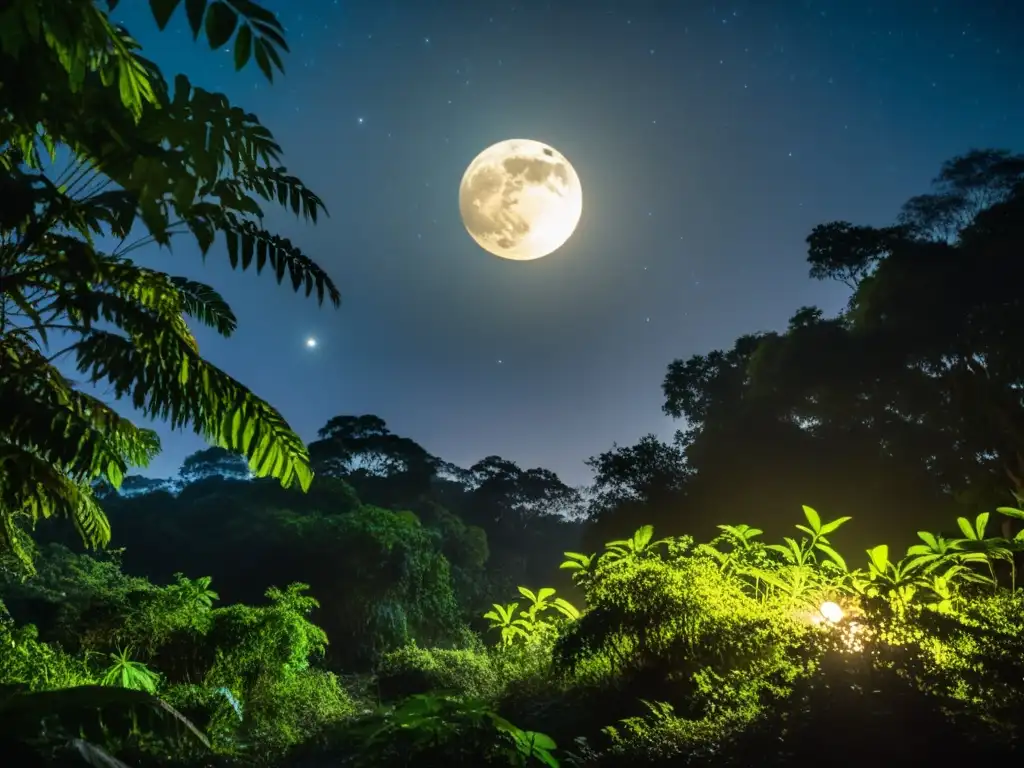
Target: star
{"points": [[311, 343]]}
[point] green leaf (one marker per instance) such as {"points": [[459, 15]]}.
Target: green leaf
{"points": [[566, 608], [221, 21], [243, 46], [832, 554], [540, 740], [528, 594], [833, 525], [163, 10], [642, 537], [1011, 512], [195, 10], [813, 519], [879, 558], [965, 528], [260, 48]]}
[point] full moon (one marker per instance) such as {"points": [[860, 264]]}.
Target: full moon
{"points": [[520, 199]]}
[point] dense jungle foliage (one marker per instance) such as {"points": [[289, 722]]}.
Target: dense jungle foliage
{"points": [[823, 566]]}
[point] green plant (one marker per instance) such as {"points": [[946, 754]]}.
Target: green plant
{"points": [[135, 154], [458, 732], [37, 666], [802, 553], [640, 544], [413, 670], [582, 566], [194, 594], [800, 576], [900, 580], [75, 721], [525, 624], [124, 672]]}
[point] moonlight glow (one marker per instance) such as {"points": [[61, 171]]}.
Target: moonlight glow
{"points": [[520, 199]]}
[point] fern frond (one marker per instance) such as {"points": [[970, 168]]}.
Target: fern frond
{"points": [[33, 489], [44, 414], [168, 380], [289, 191], [245, 240], [202, 302]]}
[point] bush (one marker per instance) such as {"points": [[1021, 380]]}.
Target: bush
{"points": [[295, 709], [24, 660], [411, 670]]}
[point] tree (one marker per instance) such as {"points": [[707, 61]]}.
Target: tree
{"points": [[213, 462], [384, 468], [636, 485], [176, 162], [913, 391], [512, 497], [933, 327], [648, 472]]}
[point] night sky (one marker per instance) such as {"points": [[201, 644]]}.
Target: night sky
{"points": [[709, 137]]}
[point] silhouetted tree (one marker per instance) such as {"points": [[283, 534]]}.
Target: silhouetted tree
{"points": [[214, 462], [643, 482], [905, 400], [384, 468]]}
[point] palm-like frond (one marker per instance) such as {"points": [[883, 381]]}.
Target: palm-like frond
{"points": [[167, 380], [203, 303], [44, 414], [277, 184], [179, 160], [33, 489], [245, 240]]}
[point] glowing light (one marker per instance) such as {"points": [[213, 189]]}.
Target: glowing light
{"points": [[831, 611], [311, 342]]}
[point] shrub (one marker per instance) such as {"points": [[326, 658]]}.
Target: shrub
{"points": [[412, 670], [24, 660], [294, 709]]}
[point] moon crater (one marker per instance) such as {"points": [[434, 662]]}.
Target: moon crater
{"points": [[520, 199]]}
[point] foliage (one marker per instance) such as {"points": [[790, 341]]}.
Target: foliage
{"points": [[689, 624], [294, 710], [124, 672], [112, 145], [71, 721], [403, 586], [38, 666], [903, 403], [541, 606], [440, 729], [412, 670]]}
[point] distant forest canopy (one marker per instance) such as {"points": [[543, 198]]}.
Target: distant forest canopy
{"points": [[903, 411]]}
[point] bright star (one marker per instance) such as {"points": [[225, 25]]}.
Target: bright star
{"points": [[311, 342]]}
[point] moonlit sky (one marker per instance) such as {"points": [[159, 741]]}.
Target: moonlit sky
{"points": [[710, 137]]}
